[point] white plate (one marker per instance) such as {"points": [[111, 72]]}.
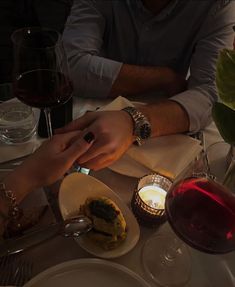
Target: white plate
{"points": [[74, 191], [87, 273]]}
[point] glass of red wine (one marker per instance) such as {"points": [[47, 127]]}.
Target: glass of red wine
{"points": [[201, 212], [40, 70]]}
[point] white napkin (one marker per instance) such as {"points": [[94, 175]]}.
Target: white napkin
{"points": [[168, 155]]}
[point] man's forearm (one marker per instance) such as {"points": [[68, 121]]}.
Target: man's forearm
{"points": [[134, 80], [166, 117]]}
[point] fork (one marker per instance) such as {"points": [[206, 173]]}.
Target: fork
{"points": [[14, 271]]}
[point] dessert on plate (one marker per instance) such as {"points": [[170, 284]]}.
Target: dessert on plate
{"points": [[110, 228]]}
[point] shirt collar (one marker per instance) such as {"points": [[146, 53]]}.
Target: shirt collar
{"points": [[162, 15]]}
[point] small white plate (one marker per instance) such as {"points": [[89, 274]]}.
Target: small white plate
{"points": [[74, 190], [87, 273]]}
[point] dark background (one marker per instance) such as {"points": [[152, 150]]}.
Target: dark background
{"points": [[15, 14]]}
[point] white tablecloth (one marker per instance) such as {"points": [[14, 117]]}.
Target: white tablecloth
{"points": [[207, 270]]}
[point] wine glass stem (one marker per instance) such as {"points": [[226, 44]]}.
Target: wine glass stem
{"points": [[47, 112], [169, 254]]}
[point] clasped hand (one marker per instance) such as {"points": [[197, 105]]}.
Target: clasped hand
{"points": [[113, 135], [94, 141]]}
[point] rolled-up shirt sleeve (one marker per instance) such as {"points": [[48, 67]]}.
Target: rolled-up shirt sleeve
{"points": [[92, 75], [215, 34]]}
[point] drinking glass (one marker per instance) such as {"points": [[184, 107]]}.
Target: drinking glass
{"points": [[201, 212], [40, 71], [18, 122], [218, 157]]}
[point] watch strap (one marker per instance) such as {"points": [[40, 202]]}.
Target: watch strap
{"points": [[142, 127]]}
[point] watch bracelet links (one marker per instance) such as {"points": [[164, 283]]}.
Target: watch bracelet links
{"points": [[137, 117]]}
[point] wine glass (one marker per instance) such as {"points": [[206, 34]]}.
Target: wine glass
{"points": [[40, 70], [201, 212]]}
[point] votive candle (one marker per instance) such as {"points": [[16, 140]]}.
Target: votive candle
{"points": [[148, 201]]}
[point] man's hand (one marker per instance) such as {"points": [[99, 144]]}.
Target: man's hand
{"points": [[113, 131]]}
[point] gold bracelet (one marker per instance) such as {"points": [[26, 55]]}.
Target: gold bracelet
{"points": [[14, 211]]}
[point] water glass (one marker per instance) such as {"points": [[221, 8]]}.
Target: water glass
{"points": [[18, 122], [218, 158]]}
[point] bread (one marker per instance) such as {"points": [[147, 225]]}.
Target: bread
{"points": [[109, 229]]}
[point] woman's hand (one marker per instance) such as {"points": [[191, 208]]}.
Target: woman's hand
{"points": [[49, 163], [113, 131]]}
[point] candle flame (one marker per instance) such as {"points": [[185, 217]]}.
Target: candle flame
{"points": [[154, 196]]}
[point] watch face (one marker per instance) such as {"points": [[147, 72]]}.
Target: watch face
{"points": [[142, 127], [145, 131]]}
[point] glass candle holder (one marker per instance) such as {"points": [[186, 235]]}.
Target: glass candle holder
{"points": [[148, 201]]}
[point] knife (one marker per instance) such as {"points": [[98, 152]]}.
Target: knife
{"points": [[33, 238], [12, 163], [72, 227]]}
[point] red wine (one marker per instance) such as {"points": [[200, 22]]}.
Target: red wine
{"points": [[43, 88], [202, 213]]}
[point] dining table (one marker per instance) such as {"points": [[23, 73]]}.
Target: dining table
{"points": [[207, 270]]}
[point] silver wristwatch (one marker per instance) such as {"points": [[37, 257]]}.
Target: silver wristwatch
{"points": [[142, 127]]}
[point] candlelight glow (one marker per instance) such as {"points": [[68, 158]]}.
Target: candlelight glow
{"points": [[154, 196]]}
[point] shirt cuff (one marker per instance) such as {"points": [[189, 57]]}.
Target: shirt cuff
{"points": [[198, 107]]}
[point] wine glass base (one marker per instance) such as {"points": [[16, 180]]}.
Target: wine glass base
{"points": [[166, 260]]}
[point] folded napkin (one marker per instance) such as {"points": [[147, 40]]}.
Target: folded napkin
{"points": [[168, 155]]}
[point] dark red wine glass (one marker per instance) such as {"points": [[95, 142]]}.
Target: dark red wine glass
{"points": [[201, 212], [41, 77]]}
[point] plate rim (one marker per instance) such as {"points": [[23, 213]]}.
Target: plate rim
{"points": [[56, 269], [103, 253]]}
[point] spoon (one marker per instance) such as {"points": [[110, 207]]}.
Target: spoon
{"points": [[75, 226]]}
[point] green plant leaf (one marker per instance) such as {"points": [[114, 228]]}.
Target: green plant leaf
{"points": [[225, 77], [224, 118]]}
